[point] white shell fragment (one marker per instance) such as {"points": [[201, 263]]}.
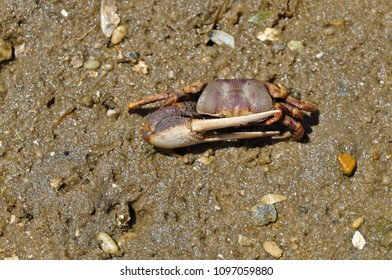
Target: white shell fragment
{"points": [[358, 240], [269, 34], [272, 198], [109, 18], [221, 38]]}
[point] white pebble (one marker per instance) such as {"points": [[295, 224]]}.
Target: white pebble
{"points": [[358, 240], [108, 245], [269, 34], [64, 13], [320, 55], [12, 219], [111, 113]]}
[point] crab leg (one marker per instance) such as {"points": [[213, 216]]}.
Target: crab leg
{"points": [[170, 98], [147, 100], [306, 106], [200, 125]]}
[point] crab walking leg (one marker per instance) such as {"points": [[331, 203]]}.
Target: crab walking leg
{"points": [[147, 100], [306, 106], [202, 125]]}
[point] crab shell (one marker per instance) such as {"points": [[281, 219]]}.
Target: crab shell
{"points": [[232, 98]]}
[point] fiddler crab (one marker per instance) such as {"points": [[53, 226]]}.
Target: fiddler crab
{"points": [[207, 107]]}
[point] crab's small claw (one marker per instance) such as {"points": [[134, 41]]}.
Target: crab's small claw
{"points": [[169, 98], [168, 129]]}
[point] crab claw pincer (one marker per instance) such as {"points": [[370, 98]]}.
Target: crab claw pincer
{"points": [[168, 128]]}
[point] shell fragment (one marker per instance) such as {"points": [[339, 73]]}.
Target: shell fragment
{"points": [[109, 18]]}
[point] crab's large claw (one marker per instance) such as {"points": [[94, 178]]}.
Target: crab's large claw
{"points": [[167, 128]]}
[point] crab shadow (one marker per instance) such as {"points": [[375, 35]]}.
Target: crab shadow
{"points": [[142, 111]]}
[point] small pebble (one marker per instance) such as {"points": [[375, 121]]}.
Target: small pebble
{"points": [[263, 214], [112, 113], [358, 240], [108, 245], [132, 55], [140, 67], [206, 158], [118, 34], [206, 59], [278, 46], [91, 64], [245, 241], [342, 91], [358, 223], [272, 198], [92, 74], [107, 67], [56, 183], [12, 219], [273, 249], [171, 75], [348, 163], [320, 55], [77, 60], [64, 13], [295, 45], [269, 34], [386, 180]]}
